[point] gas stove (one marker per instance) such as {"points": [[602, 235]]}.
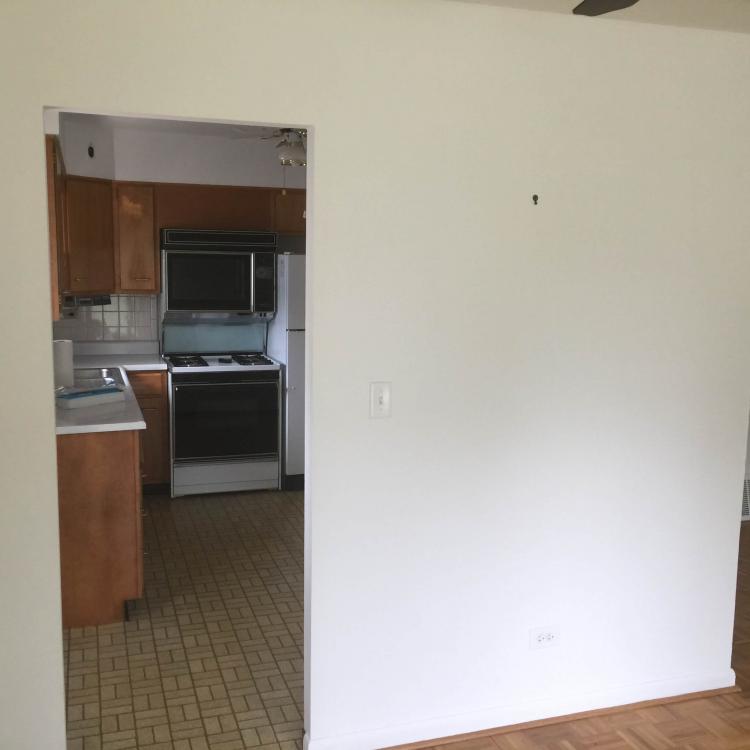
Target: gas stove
{"points": [[225, 420], [238, 361]]}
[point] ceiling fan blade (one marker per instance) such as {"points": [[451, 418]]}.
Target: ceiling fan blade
{"points": [[600, 7]]}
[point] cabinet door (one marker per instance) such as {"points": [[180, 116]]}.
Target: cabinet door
{"points": [[180, 206], [99, 493], [150, 390], [56, 223], [135, 238], [90, 236], [152, 442], [289, 211]]}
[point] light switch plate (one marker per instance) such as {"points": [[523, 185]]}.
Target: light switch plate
{"points": [[380, 400]]}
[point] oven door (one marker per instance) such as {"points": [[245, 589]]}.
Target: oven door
{"points": [[211, 281], [226, 420]]}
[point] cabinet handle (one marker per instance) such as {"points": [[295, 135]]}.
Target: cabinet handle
{"points": [[143, 278], [80, 278]]}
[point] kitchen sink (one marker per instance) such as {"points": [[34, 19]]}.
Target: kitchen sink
{"points": [[98, 377]]}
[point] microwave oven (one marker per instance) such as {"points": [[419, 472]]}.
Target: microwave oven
{"points": [[211, 271]]}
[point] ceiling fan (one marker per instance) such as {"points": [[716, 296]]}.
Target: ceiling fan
{"points": [[291, 146], [600, 7]]}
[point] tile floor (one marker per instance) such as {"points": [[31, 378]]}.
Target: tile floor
{"points": [[212, 656]]}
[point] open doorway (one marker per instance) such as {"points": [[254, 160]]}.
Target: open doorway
{"points": [[178, 271], [741, 639]]}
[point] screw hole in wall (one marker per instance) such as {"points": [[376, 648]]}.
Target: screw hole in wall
{"points": [[90, 151], [535, 198]]}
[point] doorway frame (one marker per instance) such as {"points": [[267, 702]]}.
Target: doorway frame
{"points": [[51, 114]]}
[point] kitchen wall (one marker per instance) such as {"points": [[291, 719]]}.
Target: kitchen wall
{"points": [[203, 159], [77, 133], [130, 317], [572, 460], [163, 153]]}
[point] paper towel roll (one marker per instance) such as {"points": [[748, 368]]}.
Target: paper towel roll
{"points": [[63, 356]]}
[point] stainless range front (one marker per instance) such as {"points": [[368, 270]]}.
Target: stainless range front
{"points": [[225, 423]]}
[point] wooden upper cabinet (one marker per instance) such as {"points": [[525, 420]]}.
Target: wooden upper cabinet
{"points": [[184, 206], [56, 220], [289, 208], [111, 229], [136, 257], [90, 235]]}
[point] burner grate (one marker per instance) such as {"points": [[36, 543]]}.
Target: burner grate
{"points": [[252, 359], [187, 360]]}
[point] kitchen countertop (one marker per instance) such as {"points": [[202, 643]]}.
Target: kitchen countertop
{"points": [[112, 417], [130, 362]]}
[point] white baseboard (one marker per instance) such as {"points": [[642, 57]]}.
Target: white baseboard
{"points": [[503, 716]]}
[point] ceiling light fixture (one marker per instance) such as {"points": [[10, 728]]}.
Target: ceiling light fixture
{"points": [[291, 148]]}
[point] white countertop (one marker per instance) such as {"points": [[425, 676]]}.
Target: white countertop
{"points": [[130, 362], [113, 417]]}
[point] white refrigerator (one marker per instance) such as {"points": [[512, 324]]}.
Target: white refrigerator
{"points": [[286, 344]]}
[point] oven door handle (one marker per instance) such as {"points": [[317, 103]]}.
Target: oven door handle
{"points": [[215, 385]]}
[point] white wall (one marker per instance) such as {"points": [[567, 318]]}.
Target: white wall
{"points": [[574, 458]]}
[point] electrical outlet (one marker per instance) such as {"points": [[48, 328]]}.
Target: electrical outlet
{"points": [[543, 637]]}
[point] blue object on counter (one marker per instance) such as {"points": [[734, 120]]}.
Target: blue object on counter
{"points": [[73, 393]]}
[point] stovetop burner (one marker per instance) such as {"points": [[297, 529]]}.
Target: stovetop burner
{"points": [[251, 359], [187, 360], [221, 362]]}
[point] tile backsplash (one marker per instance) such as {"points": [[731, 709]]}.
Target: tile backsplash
{"points": [[130, 317]]}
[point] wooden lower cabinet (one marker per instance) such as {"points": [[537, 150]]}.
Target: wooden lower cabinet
{"points": [[101, 531], [150, 389]]}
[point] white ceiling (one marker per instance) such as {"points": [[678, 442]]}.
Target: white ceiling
{"points": [[724, 15]]}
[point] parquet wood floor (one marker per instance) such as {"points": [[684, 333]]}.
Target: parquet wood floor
{"points": [[719, 722]]}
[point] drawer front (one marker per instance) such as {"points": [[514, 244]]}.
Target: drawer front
{"points": [[147, 383]]}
